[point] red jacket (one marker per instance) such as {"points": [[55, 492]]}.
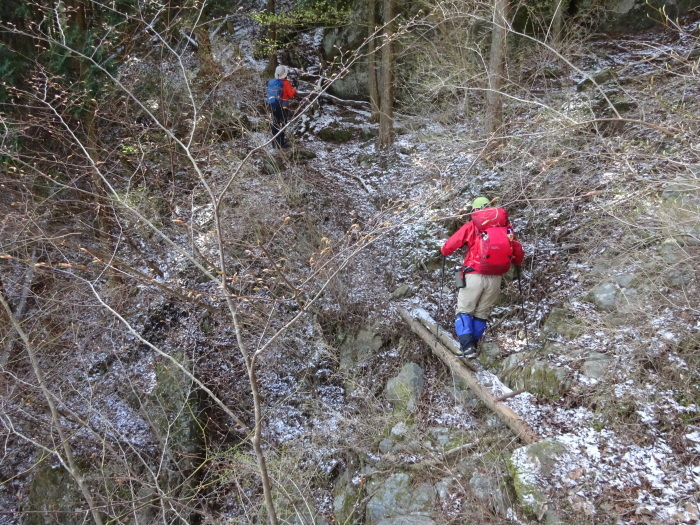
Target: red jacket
{"points": [[288, 92], [468, 234]]}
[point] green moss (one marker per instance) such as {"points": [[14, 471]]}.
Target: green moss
{"points": [[335, 135], [535, 376], [53, 498], [526, 466]]}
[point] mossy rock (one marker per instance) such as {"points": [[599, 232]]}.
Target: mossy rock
{"points": [[272, 166], [173, 410], [336, 135], [404, 390], [54, 497], [354, 347], [524, 372], [564, 322], [399, 499], [302, 155], [229, 124], [446, 439], [489, 353], [528, 466], [346, 500]]}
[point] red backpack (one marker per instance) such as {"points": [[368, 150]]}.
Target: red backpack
{"points": [[494, 249]]}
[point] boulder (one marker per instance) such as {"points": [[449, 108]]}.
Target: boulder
{"points": [[683, 193], [396, 500], [635, 15], [605, 296], [346, 500], [596, 365], [172, 410], [353, 85], [596, 79], [488, 489], [525, 372], [336, 134], [529, 467], [354, 347], [53, 492], [562, 321], [402, 291], [404, 390]]}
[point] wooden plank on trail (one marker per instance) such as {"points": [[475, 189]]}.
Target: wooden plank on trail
{"points": [[440, 343]]}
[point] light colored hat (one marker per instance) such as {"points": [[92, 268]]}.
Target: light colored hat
{"points": [[480, 202], [281, 72]]}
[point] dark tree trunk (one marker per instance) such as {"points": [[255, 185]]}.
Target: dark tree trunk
{"points": [[372, 64], [272, 38], [386, 114], [497, 62]]}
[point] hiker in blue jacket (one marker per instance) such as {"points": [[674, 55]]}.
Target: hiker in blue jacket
{"points": [[279, 92]]}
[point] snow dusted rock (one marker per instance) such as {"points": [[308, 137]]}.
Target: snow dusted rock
{"points": [[524, 372], [530, 467], [404, 390], [397, 500], [385, 445], [683, 193], [402, 292], [400, 431], [605, 296], [488, 489], [346, 500], [354, 347], [407, 520], [596, 365], [562, 321]]}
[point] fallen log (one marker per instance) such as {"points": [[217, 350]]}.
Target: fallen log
{"points": [[305, 96], [440, 343]]}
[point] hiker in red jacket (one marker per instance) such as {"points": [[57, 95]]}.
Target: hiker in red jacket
{"points": [[491, 249], [279, 92]]}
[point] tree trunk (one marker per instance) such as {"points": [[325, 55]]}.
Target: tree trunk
{"points": [[557, 21], [440, 343], [497, 62], [272, 39], [372, 63], [386, 114], [103, 206], [208, 69]]}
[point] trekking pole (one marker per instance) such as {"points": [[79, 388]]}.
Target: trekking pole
{"points": [[439, 312], [522, 302]]}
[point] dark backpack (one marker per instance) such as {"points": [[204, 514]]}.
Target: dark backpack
{"points": [[274, 91], [494, 249]]}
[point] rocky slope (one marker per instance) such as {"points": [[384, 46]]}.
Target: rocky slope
{"points": [[361, 423]]}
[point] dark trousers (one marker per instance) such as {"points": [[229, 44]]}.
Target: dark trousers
{"points": [[279, 120]]}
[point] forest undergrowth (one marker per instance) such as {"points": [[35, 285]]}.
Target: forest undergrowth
{"points": [[600, 178]]}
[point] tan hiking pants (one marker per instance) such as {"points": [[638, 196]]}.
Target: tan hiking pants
{"points": [[479, 295]]}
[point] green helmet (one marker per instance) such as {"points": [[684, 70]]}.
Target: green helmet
{"points": [[480, 202]]}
